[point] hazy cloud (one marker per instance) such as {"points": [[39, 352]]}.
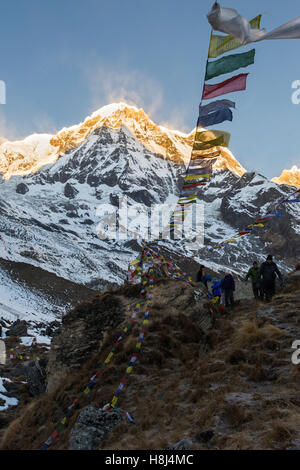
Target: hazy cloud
{"points": [[44, 124], [7, 131], [110, 83], [114, 83]]}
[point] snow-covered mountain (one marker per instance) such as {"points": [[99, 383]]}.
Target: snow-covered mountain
{"points": [[30, 154], [49, 213], [291, 177]]}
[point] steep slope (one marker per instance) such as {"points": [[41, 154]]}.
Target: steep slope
{"points": [[57, 210], [59, 204], [291, 177], [213, 382], [36, 296]]}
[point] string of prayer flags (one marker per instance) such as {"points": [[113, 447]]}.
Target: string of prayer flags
{"points": [[294, 199], [258, 224], [13, 353], [108, 359], [21, 357], [236, 83], [229, 64], [198, 174], [140, 340]]}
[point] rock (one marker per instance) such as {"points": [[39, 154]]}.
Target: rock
{"points": [[3, 323], [35, 375], [87, 222], [70, 191], [205, 436], [18, 328], [184, 444], [17, 371], [72, 215], [92, 427], [22, 188], [49, 331], [81, 333]]}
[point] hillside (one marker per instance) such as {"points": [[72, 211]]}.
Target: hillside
{"points": [[204, 379]]}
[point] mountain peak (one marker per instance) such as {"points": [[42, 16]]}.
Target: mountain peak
{"points": [[290, 177], [30, 154]]}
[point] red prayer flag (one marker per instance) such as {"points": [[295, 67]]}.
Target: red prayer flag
{"points": [[236, 83], [54, 434], [244, 233]]}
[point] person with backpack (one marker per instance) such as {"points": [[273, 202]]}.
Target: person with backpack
{"points": [[267, 275], [228, 287], [202, 277], [256, 286]]}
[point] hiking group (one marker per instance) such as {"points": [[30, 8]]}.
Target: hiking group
{"points": [[262, 278]]}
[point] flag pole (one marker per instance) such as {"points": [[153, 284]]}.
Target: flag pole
{"points": [[211, 32]]}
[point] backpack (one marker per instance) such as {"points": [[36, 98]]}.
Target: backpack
{"points": [[216, 289]]}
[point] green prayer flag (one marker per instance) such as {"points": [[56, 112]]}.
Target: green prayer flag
{"points": [[221, 44], [229, 63]]}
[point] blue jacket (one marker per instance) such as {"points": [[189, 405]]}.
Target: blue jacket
{"points": [[216, 289], [228, 283]]}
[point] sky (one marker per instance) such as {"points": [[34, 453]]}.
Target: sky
{"points": [[63, 59]]}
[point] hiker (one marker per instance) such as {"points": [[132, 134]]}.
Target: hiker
{"points": [[228, 287], [267, 273], [202, 277], [256, 286]]}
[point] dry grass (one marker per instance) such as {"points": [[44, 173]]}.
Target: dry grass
{"points": [[249, 334], [279, 436], [179, 386]]}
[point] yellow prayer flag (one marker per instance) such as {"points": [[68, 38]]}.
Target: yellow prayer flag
{"points": [[114, 401], [205, 136], [196, 177]]}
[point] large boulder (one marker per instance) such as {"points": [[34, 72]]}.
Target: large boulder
{"points": [[35, 374], [70, 191], [22, 188], [92, 427], [81, 335], [18, 328]]}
